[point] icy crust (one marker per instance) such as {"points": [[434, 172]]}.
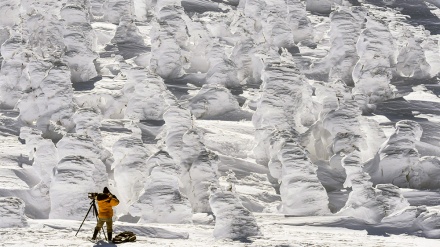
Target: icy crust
{"points": [[129, 168], [80, 42], [12, 212], [365, 202], [78, 145], [373, 71], [74, 177], [161, 200], [345, 28], [301, 191], [425, 174], [232, 220]]}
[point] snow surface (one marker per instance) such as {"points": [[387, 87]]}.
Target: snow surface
{"points": [[221, 123]]}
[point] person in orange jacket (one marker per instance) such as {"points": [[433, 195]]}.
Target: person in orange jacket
{"points": [[106, 201]]}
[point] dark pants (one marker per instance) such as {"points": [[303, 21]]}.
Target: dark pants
{"points": [[108, 221]]}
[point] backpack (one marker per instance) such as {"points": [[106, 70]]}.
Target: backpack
{"points": [[124, 237]]}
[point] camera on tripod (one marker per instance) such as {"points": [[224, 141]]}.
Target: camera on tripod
{"points": [[92, 195]]}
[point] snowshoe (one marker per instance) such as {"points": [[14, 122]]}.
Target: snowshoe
{"points": [[123, 237]]}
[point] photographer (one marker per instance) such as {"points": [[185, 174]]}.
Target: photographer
{"points": [[106, 201]]}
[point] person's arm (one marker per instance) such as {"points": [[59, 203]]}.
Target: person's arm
{"points": [[113, 200]]}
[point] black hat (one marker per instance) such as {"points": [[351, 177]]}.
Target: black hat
{"points": [[106, 190]]}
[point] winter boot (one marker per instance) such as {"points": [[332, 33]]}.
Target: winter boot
{"points": [[109, 234], [95, 233]]}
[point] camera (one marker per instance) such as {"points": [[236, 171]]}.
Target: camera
{"points": [[92, 195]]}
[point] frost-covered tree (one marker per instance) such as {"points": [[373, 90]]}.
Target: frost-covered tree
{"points": [[42, 151], [301, 191], [284, 103], [397, 156], [373, 72], [411, 61], [345, 27], [74, 177], [284, 108], [222, 70], [365, 202], [80, 42], [232, 220], [203, 173], [161, 200], [129, 168], [48, 97], [147, 95], [114, 10], [168, 37]]}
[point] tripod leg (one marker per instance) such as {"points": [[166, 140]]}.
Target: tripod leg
{"points": [[84, 219], [96, 213]]}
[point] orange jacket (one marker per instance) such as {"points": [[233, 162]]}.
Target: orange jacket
{"points": [[105, 204]]}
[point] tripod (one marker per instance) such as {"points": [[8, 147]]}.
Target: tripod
{"points": [[95, 212]]}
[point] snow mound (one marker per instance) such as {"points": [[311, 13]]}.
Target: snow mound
{"points": [[12, 212], [212, 100], [415, 219]]}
